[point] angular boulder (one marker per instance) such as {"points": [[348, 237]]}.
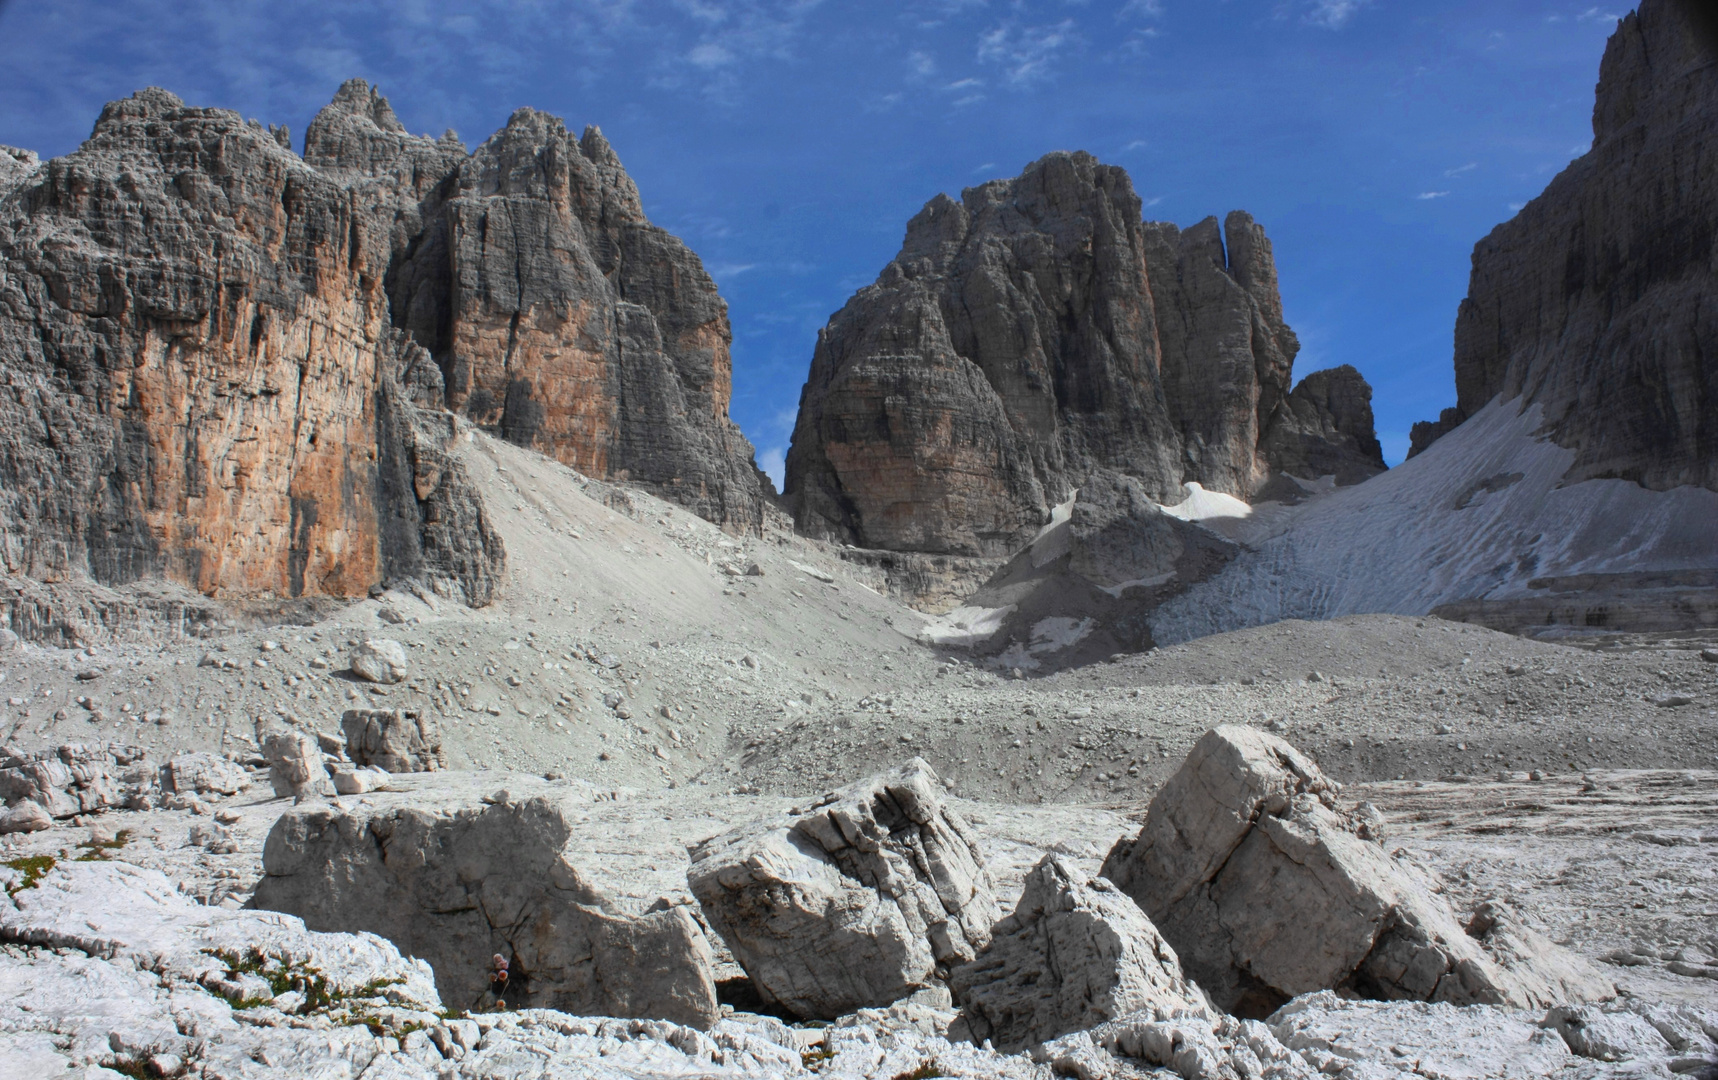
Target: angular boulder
{"points": [[868, 894], [201, 773], [295, 763], [72, 779], [1076, 953], [380, 660], [456, 883], [1268, 886], [393, 740]]}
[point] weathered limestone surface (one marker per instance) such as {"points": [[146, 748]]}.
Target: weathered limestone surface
{"points": [[868, 894], [1269, 887], [201, 381], [380, 660], [564, 320], [1599, 299], [393, 740], [295, 764], [226, 366], [199, 772], [457, 884], [1075, 953], [1038, 330]]}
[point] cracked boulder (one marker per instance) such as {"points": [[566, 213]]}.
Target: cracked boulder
{"points": [[1076, 953], [458, 881], [868, 894], [393, 740], [1268, 886]]}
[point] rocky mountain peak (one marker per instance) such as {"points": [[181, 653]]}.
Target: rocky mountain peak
{"points": [[1030, 334]]}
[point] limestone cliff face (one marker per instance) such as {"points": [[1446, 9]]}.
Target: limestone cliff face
{"points": [[229, 367], [1033, 333], [567, 322], [1599, 300], [200, 378]]}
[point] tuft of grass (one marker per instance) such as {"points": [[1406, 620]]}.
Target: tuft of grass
{"points": [[33, 867], [815, 1059], [927, 1071], [97, 850]]}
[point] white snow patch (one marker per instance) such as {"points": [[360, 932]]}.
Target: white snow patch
{"points": [[1202, 505], [1148, 582], [965, 626], [1477, 515], [1057, 633]]}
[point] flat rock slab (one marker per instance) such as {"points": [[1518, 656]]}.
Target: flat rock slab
{"points": [[456, 883], [1431, 1039], [1269, 886], [858, 899], [1075, 953]]}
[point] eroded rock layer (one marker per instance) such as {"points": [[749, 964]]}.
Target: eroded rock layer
{"points": [[1599, 300], [1036, 331]]}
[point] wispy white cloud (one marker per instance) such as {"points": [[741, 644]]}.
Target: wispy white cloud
{"points": [[1333, 14], [986, 167], [1460, 169], [1597, 15], [1431, 194], [727, 271], [773, 461], [1141, 9], [1026, 53]]}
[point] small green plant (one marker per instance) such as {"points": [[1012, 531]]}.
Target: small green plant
{"points": [[815, 1059], [33, 867], [927, 1071], [97, 850], [129, 1067]]}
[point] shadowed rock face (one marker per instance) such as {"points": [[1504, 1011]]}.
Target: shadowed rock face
{"points": [[223, 365], [1599, 300], [1028, 335], [201, 381]]}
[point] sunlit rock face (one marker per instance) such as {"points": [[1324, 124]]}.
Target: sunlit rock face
{"points": [[1039, 330]]}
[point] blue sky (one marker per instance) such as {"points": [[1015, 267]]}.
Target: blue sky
{"points": [[788, 141]]}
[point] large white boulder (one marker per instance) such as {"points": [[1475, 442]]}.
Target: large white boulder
{"points": [[1075, 953], [200, 773], [379, 660], [1270, 886], [456, 883], [858, 899], [295, 763]]}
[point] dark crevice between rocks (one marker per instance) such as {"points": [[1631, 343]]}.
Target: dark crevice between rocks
{"points": [[743, 995]]}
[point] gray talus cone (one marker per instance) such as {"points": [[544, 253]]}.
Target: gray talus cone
{"points": [[870, 893], [457, 882], [1269, 886], [1075, 953]]}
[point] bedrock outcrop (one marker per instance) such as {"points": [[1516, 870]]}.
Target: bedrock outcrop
{"points": [[1599, 299], [230, 367], [450, 880], [1269, 885], [1038, 330]]}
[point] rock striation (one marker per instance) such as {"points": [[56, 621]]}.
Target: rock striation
{"points": [[200, 379], [872, 892], [562, 318], [1596, 300], [1268, 887], [1036, 331], [1075, 953], [455, 884], [229, 367]]}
